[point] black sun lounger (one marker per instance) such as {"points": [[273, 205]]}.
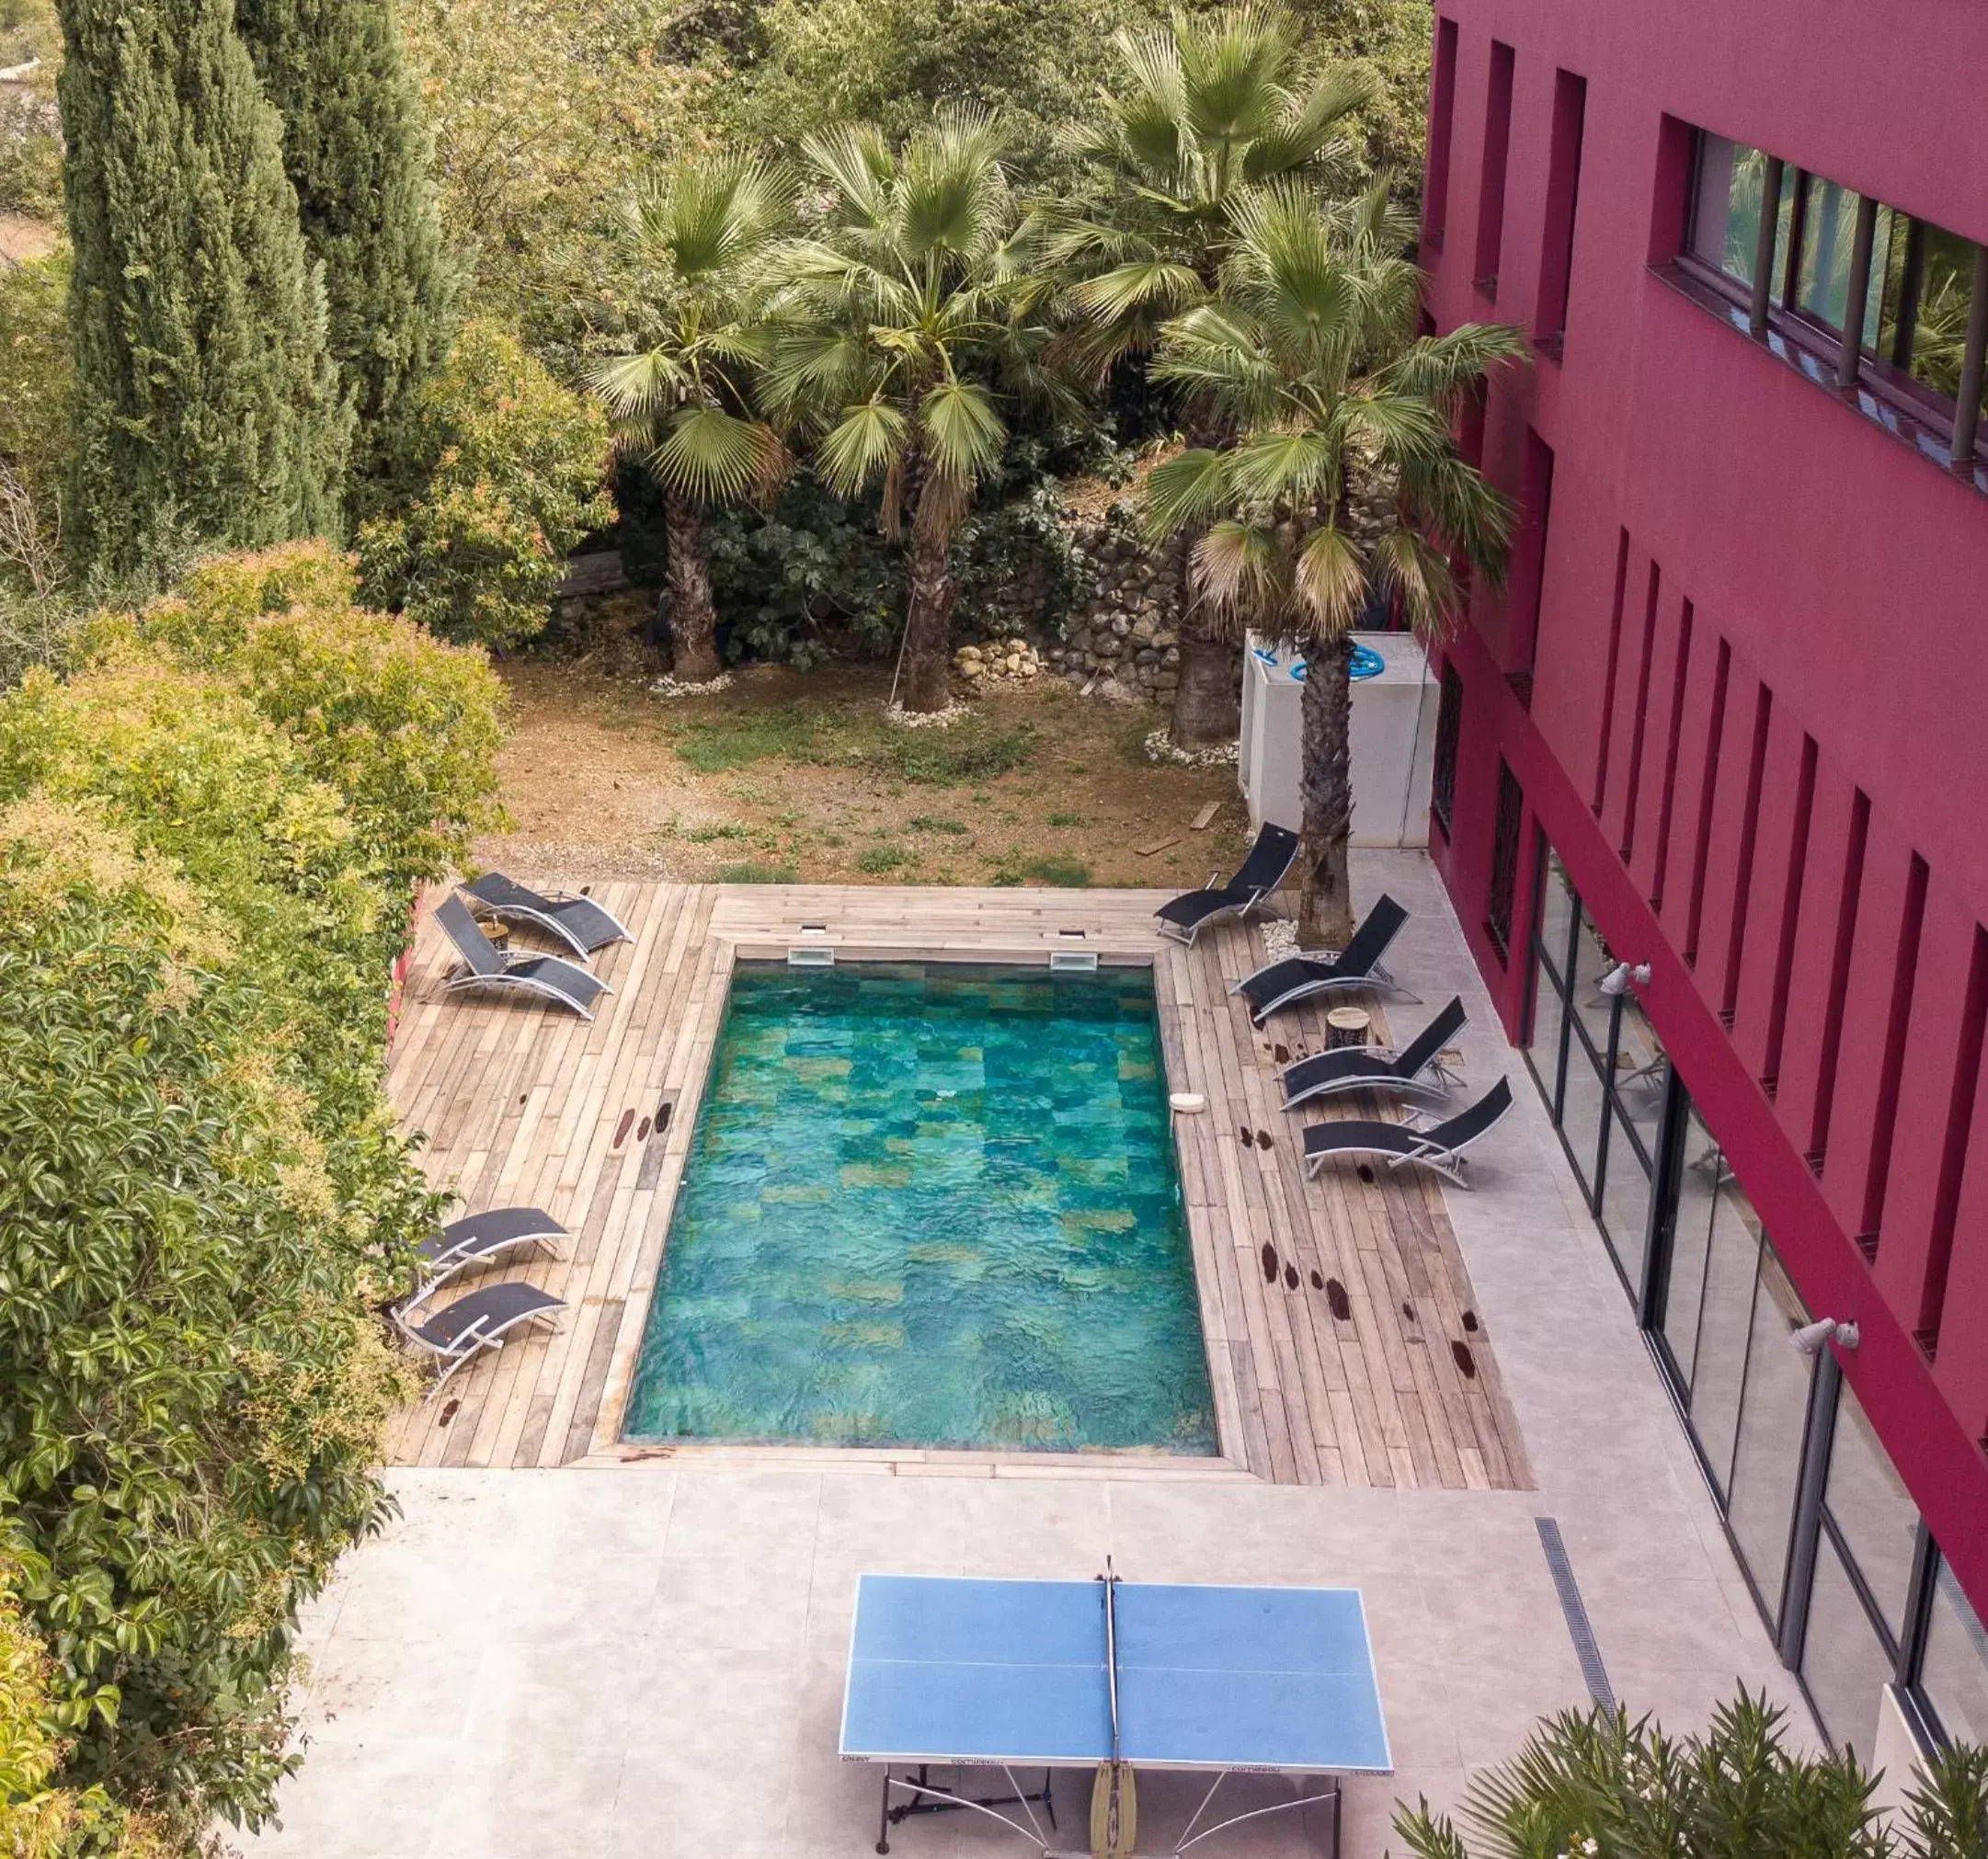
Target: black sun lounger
{"points": [[486, 965], [1269, 858], [1369, 1068], [581, 924], [477, 1239], [1282, 984], [464, 1329], [1440, 1147]]}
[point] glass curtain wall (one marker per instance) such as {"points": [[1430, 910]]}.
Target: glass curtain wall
{"points": [[1845, 1573], [1600, 1066]]}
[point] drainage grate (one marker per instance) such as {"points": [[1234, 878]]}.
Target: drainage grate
{"points": [[1073, 960], [811, 958], [1572, 1605]]}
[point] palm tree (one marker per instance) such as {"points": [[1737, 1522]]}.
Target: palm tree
{"points": [[1342, 479], [904, 324], [1208, 112], [692, 235]]}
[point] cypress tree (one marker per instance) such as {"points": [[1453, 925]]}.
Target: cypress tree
{"points": [[209, 409], [356, 149]]}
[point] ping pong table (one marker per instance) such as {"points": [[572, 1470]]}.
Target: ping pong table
{"points": [[971, 1673]]}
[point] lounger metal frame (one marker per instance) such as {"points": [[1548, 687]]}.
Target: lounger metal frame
{"points": [[467, 974], [458, 1258], [483, 907], [475, 1341], [1380, 1078], [1447, 1159], [1376, 977], [1241, 908]]}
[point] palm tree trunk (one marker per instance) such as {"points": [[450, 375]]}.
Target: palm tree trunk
{"points": [[1325, 784], [693, 615], [1207, 700], [927, 626]]}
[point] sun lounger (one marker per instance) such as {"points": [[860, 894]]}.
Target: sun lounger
{"points": [[486, 965], [581, 924], [1186, 916], [1278, 985], [1370, 1067], [477, 1322], [479, 1238], [1440, 1147]]}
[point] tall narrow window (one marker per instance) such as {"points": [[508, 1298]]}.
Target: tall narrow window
{"points": [[1449, 726], [1505, 869], [1563, 194], [1442, 110], [1728, 189], [1490, 199], [1529, 556]]}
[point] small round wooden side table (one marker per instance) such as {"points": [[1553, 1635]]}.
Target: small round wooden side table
{"points": [[1347, 1026]]}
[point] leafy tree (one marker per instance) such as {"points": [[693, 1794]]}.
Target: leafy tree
{"points": [[356, 150], [816, 63], [37, 414], [202, 1189], [30, 128], [693, 235], [207, 402], [1205, 114], [507, 469], [544, 112], [1342, 480], [906, 323], [1601, 1783]]}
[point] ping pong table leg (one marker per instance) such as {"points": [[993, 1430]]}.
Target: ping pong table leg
{"points": [[883, 1819]]}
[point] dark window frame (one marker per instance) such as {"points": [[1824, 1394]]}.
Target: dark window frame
{"points": [[1508, 825], [1442, 758], [1813, 346]]}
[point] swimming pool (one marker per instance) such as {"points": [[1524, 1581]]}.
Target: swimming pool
{"points": [[929, 1204]]}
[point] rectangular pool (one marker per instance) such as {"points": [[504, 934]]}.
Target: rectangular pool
{"points": [[929, 1204]]}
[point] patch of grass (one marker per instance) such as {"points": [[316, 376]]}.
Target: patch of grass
{"points": [[1065, 820], [718, 829], [932, 823], [881, 859], [974, 749], [750, 872], [730, 742], [1071, 872]]}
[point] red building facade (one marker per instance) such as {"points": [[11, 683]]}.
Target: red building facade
{"points": [[1729, 718]]}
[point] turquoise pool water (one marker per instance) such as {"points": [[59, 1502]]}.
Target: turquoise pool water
{"points": [[929, 1204]]}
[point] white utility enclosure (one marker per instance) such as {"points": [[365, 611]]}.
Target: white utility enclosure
{"points": [[1393, 738]]}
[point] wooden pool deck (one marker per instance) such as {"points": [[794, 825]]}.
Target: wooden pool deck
{"points": [[1343, 1344]]}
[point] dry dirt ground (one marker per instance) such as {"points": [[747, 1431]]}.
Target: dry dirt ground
{"points": [[794, 777], [22, 239]]}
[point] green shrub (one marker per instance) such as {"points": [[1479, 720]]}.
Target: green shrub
{"points": [[203, 877], [405, 727], [505, 474], [879, 859]]}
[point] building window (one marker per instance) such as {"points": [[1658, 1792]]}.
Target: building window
{"points": [[1449, 726], [1491, 203], [1952, 1688], [1442, 112], [1504, 867], [1910, 327], [1563, 197]]}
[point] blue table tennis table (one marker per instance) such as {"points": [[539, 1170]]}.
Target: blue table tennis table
{"points": [[966, 1674]]}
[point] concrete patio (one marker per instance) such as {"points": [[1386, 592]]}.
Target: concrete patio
{"points": [[647, 1658]]}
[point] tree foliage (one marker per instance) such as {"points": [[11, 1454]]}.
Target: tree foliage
{"points": [[1607, 1786], [356, 149], [683, 397], [905, 328], [507, 473], [1339, 480], [207, 408], [202, 1189]]}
